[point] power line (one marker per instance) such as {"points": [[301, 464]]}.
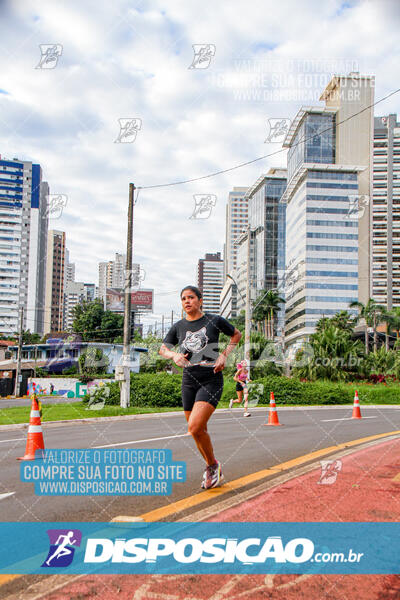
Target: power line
{"points": [[254, 160]]}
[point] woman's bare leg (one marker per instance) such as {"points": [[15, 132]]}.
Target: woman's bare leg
{"points": [[197, 422]]}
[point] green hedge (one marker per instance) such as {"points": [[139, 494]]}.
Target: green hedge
{"points": [[164, 390]]}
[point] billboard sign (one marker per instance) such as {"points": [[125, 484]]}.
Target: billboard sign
{"points": [[142, 300]]}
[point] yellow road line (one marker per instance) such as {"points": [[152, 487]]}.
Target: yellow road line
{"points": [[6, 578], [191, 501]]}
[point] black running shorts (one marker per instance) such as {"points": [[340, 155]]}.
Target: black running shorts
{"points": [[240, 386], [203, 385]]}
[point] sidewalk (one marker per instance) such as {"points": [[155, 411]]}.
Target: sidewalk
{"points": [[366, 488]]}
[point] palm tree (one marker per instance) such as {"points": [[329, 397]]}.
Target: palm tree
{"points": [[393, 320], [372, 314], [265, 308], [333, 354], [344, 321]]}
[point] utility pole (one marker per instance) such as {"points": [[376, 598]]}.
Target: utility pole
{"points": [[162, 327], [126, 380], [17, 388], [248, 309], [172, 317]]}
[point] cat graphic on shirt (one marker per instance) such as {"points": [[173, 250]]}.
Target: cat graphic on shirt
{"points": [[195, 341]]}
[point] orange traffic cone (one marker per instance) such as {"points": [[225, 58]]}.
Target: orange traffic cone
{"points": [[356, 407], [35, 434], [273, 415]]}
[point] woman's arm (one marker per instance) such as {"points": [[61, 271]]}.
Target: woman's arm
{"points": [[178, 358], [221, 360]]}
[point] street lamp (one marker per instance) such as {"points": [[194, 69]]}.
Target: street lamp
{"points": [[247, 325]]}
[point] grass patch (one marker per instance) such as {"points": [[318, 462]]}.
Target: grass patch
{"points": [[75, 410]]}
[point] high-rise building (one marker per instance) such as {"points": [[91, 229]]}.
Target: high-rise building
{"points": [[55, 280], [112, 274], [210, 277], [266, 218], [23, 241], [386, 212], [236, 223], [329, 172], [74, 294], [242, 276], [69, 270], [352, 98], [90, 292]]}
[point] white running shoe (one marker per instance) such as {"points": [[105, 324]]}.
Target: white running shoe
{"points": [[231, 403], [213, 477], [247, 414]]}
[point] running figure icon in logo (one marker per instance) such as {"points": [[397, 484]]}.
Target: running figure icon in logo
{"points": [[61, 551]]}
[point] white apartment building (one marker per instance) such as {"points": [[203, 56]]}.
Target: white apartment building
{"points": [[236, 223], [69, 270], [23, 241], [75, 293], [386, 212], [210, 276], [112, 274]]}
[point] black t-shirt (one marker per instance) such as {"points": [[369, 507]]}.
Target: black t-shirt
{"points": [[199, 339]]}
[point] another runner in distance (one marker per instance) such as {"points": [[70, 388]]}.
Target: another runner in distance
{"points": [[241, 378]]}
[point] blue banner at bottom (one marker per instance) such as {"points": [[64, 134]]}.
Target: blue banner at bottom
{"points": [[188, 548]]}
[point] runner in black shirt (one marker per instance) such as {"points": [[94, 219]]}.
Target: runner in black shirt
{"points": [[202, 381]]}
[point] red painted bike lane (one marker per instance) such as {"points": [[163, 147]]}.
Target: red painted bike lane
{"points": [[362, 486]]}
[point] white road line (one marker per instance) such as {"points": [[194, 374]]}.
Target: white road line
{"points": [[13, 440], [167, 437], [2, 496], [345, 419]]}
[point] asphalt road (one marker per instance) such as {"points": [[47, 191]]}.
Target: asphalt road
{"points": [[242, 445]]}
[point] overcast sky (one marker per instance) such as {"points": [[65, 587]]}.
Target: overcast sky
{"points": [[131, 60]]}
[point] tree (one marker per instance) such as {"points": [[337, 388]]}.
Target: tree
{"points": [[392, 319], [265, 308], [343, 320], [30, 338], [372, 313], [94, 323], [382, 361], [334, 355], [240, 321]]}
